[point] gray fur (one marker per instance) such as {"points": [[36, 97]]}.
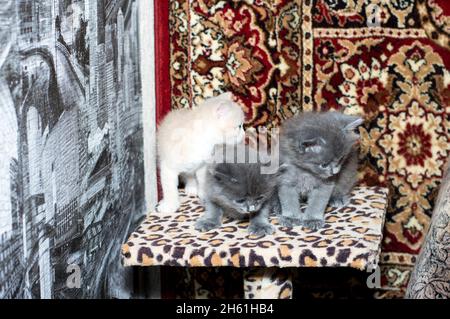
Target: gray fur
{"points": [[240, 191], [320, 165]]}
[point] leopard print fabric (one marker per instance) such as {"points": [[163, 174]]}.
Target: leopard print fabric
{"points": [[351, 237], [268, 283]]}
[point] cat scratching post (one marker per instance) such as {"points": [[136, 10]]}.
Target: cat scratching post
{"points": [[351, 237]]}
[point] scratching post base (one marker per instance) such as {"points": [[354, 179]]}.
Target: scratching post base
{"points": [[351, 237], [267, 283]]}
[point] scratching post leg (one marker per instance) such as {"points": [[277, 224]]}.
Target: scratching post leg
{"points": [[267, 283]]}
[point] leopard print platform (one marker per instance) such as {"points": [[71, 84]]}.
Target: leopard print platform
{"points": [[351, 237]]}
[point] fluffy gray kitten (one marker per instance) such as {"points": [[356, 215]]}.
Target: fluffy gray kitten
{"points": [[240, 191], [319, 160]]}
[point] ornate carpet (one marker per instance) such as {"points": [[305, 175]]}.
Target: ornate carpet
{"points": [[385, 60]]}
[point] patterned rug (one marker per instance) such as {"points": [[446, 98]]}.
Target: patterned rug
{"points": [[385, 60]]}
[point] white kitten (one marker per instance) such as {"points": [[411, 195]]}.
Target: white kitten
{"points": [[186, 140]]}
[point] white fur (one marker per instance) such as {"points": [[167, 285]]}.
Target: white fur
{"points": [[186, 140]]}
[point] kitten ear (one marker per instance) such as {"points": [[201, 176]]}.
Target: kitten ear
{"points": [[348, 122], [352, 123], [226, 96], [223, 109]]}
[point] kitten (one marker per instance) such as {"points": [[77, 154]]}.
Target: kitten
{"points": [[186, 140], [239, 190], [317, 150]]}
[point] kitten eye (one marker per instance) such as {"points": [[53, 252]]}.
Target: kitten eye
{"points": [[260, 198], [324, 166], [240, 201]]}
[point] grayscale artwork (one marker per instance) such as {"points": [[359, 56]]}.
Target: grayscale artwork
{"points": [[71, 146]]}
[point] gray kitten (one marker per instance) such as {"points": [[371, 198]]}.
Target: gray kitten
{"points": [[319, 165], [241, 191]]}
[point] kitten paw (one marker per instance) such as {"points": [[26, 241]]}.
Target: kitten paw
{"points": [[205, 225], [339, 201], [261, 229], [313, 224], [165, 206], [191, 189], [289, 221]]}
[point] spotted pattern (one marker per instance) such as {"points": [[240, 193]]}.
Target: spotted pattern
{"points": [[268, 283], [351, 237]]}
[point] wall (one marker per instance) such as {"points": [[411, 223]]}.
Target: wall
{"points": [[72, 146]]}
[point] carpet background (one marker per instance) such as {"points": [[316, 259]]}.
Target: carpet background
{"points": [[385, 60]]}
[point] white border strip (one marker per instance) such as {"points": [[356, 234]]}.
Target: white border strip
{"points": [[147, 57]]}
